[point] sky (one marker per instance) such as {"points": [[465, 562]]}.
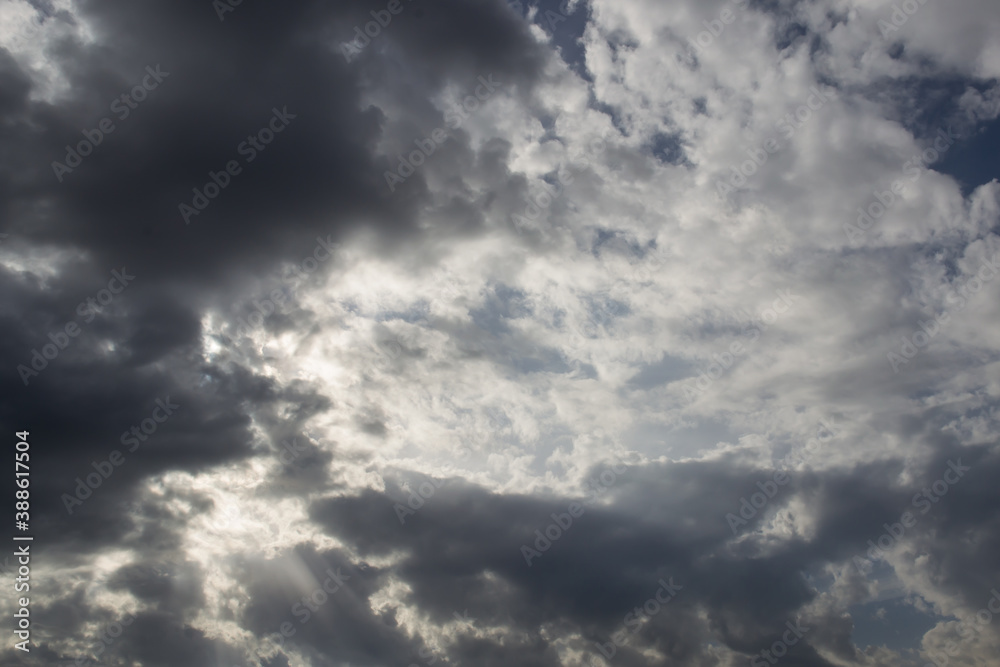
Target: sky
{"points": [[479, 333]]}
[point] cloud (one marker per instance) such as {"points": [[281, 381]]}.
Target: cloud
{"points": [[558, 285]]}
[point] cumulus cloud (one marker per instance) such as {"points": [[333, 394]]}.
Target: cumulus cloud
{"points": [[459, 333]]}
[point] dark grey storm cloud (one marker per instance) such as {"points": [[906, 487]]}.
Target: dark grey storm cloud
{"points": [[661, 522], [120, 206], [216, 83]]}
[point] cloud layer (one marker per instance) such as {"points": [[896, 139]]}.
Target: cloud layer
{"points": [[608, 332]]}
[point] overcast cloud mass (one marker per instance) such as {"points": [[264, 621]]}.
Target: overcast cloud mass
{"points": [[480, 333]]}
